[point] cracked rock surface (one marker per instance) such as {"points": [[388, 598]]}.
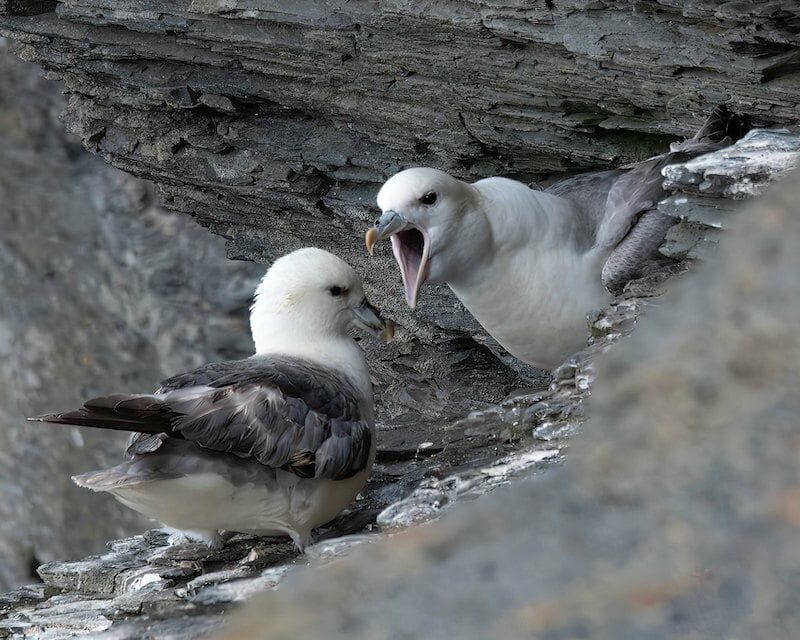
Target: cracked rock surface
{"points": [[148, 586], [273, 125]]}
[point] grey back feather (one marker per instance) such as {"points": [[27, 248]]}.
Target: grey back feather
{"points": [[286, 413], [610, 204], [588, 194]]}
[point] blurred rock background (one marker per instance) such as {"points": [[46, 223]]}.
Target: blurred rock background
{"points": [[100, 290]]}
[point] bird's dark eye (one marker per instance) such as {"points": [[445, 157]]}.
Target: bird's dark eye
{"points": [[429, 198], [337, 291]]}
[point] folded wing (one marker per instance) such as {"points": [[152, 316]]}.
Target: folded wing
{"points": [[284, 412], [618, 206]]}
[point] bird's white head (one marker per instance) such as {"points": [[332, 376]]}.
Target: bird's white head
{"points": [[421, 209], [310, 296]]}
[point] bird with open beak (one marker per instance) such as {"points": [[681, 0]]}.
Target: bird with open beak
{"points": [[529, 264]]}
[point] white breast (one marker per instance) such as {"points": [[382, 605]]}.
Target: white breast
{"points": [[535, 284], [535, 303], [203, 504]]}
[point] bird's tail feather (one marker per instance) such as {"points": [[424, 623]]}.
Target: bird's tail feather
{"points": [[118, 477], [721, 125], [120, 412], [103, 480], [721, 129]]}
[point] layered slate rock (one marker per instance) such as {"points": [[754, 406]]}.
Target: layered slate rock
{"points": [[707, 188], [143, 576], [676, 515], [274, 123]]}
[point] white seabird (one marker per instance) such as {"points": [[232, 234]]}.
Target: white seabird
{"points": [[528, 264], [278, 443]]}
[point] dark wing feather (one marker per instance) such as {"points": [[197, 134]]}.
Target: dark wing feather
{"points": [[640, 188], [204, 375], [637, 254], [611, 204], [286, 413], [141, 443], [120, 412]]}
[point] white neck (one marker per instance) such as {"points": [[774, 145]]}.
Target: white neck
{"points": [[282, 334]]}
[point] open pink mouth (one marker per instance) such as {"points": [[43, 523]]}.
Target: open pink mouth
{"points": [[411, 249]]}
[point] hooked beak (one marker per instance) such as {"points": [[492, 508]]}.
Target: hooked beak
{"points": [[410, 246], [369, 318], [387, 225]]}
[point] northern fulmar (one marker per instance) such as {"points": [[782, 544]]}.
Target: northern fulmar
{"points": [[278, 443], [529, 264]]}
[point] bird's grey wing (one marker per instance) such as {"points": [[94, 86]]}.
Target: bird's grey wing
{"points": [[334, 438], [637, 254], [630, 195], [640, 188], [615, 211], [204, 375], [617, 207], [283, 412], [142, 443], [588, 193]]}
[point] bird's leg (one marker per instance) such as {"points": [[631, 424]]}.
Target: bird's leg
{"points": [[214, 540], [220, 539], [301, 540]]}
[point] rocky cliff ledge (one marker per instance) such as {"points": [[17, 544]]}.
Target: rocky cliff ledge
{"points": [[273, 123], [150, 587], [676, 515]]}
